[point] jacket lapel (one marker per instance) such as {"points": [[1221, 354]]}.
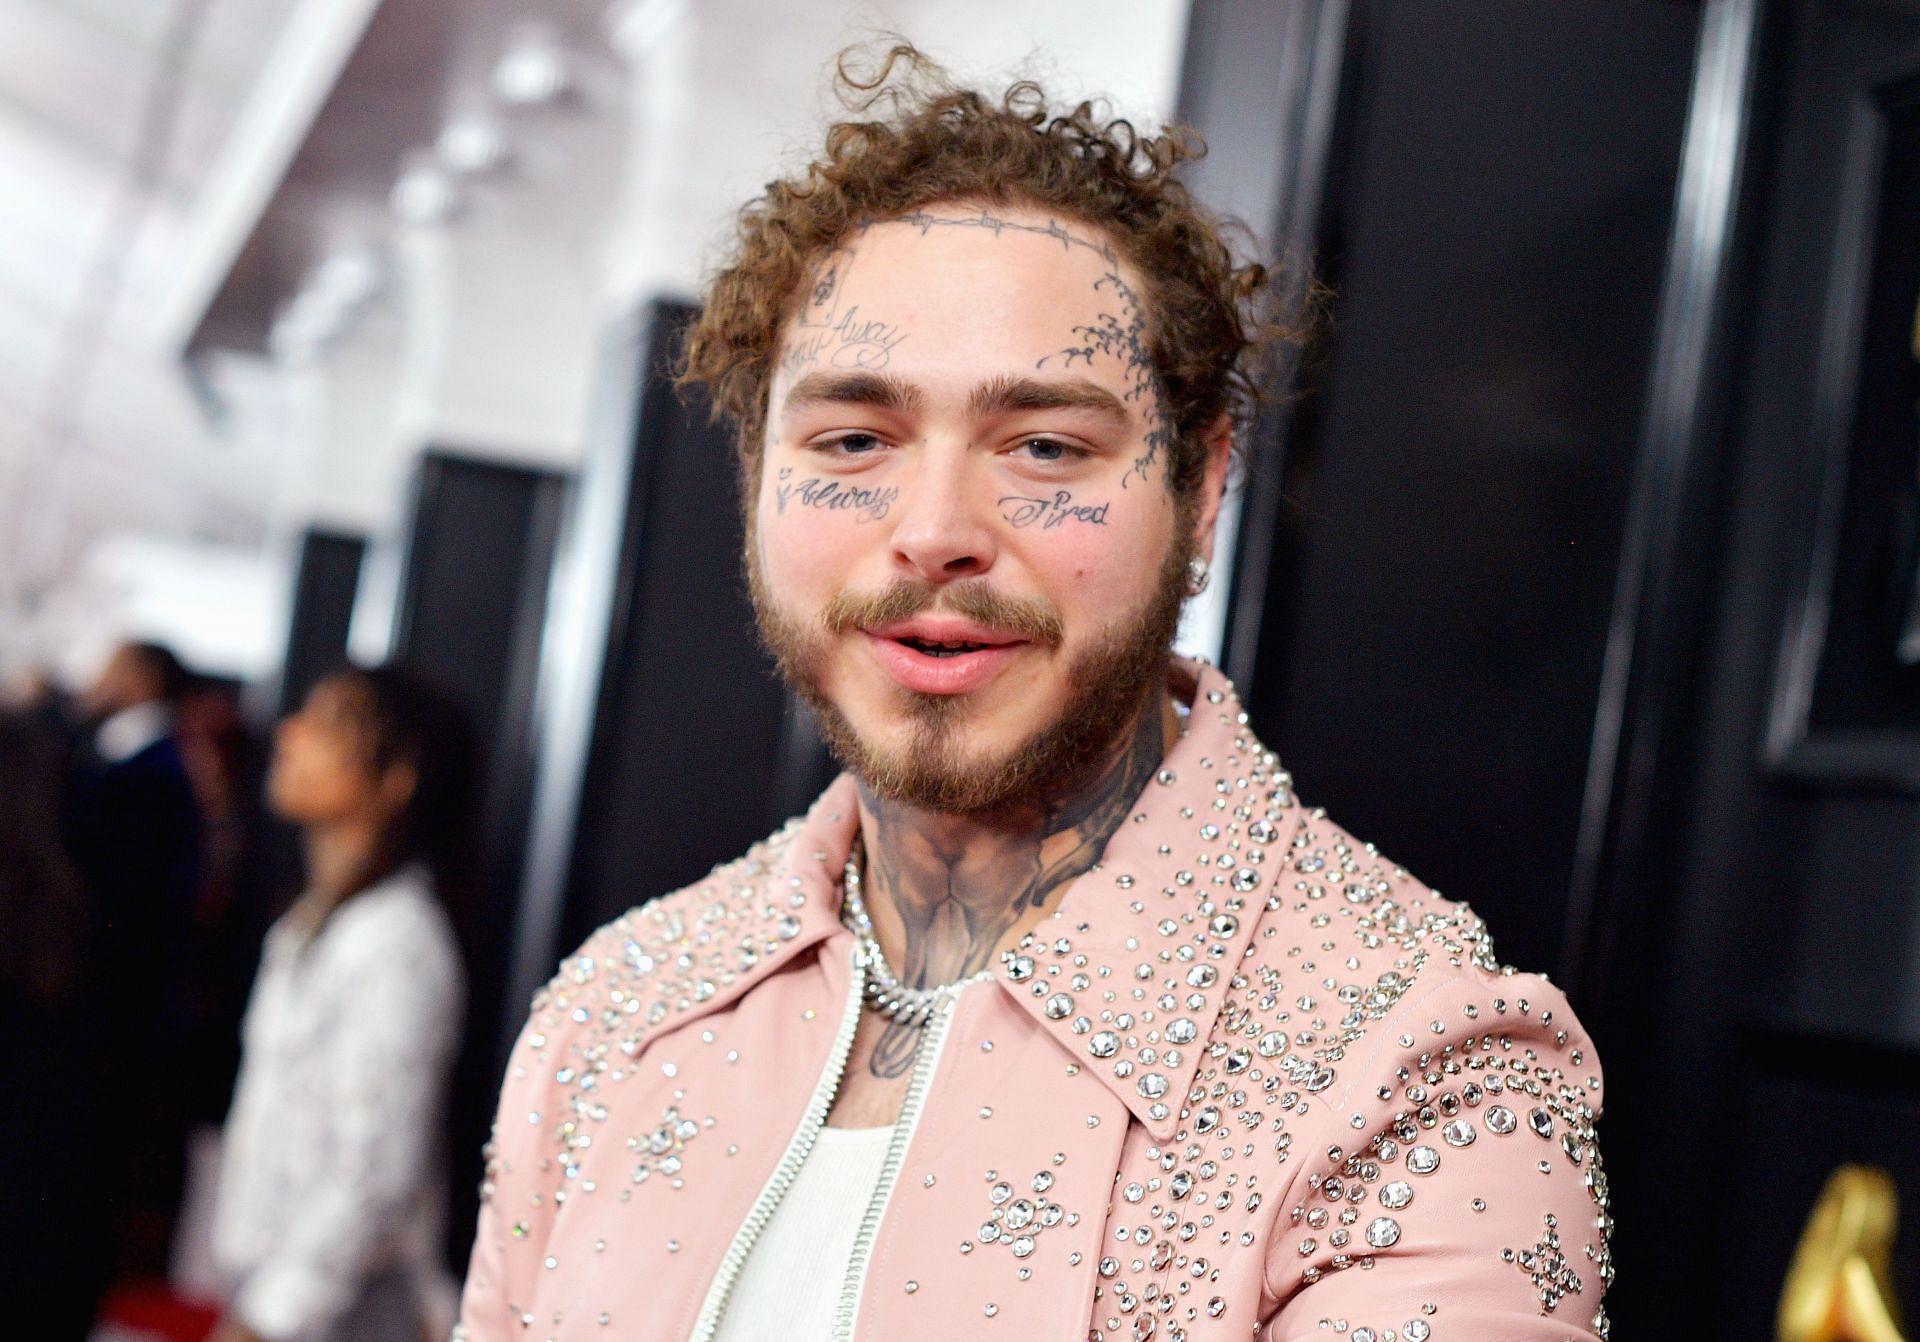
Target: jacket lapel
{"points": [[1132, 970]]}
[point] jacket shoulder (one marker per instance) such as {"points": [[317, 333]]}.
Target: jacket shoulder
{"points": [[1357, 964], [1416, 1051], [676, 954], [1339, 895]]}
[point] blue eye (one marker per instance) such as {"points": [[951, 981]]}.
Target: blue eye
{"points": [[1050, 449], [852, 444]]}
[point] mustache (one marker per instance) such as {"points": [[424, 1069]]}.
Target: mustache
{"points": [[902, 599]]}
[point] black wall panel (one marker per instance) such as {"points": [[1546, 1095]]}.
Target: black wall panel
{"points": [[473, 604], [690, 724], [1480, 521], [1796, 919], [326, 579], [1577, 585], [472, 607], [1456, 481]]}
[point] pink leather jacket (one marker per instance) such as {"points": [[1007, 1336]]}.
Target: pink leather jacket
{"points": [[1251, 1078]]}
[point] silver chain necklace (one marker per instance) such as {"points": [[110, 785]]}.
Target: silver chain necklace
{"points": [[884, 991]]}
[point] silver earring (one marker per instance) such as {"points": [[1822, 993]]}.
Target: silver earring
{"points": [[1197, 576]]}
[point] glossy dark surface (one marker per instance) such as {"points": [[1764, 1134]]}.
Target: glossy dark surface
{"points": [[326, 577], [478, 560], [1570, 504], [686, 742], [1456, 481]]}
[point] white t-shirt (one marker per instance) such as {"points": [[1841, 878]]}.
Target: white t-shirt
{"points": [[331, 1159], [790, 1285]]}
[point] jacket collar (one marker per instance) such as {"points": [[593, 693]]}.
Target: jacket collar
{"points": [[132, 730], [695, 951], [1130, 972]]}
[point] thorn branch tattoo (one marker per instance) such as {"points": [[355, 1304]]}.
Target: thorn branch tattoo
{"points": [[957, 898], [1122, 334]]}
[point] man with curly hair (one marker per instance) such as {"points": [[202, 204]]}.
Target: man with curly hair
{"points": [[1057, 1016]]}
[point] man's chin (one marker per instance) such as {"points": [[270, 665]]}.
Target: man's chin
{"points": [[897, 718], [956, 788], [925, 755]]}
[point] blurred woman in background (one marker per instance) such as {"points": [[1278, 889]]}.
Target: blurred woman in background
{"points": [[329, 1213]]}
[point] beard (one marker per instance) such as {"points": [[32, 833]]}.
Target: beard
{"points": [[1109, 684]]}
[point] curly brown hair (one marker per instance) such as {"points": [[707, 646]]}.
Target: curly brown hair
{"points": [[921, 141]]}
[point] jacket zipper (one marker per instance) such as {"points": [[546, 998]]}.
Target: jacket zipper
{"points": [[931, 1043], [815, 1118]]}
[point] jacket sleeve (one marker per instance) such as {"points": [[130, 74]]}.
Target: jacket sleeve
{"points": [[1467, 1203], [386, 1075], [523, 1175]]}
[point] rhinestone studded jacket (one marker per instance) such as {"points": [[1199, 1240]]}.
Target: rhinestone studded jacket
{"points": [[1251, 1079]]}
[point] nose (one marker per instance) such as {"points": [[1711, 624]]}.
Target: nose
{"points": [[944, 528]]}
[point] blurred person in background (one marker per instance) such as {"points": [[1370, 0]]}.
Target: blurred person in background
{"points": [[330, 1208], [235, 901], [51, 1269], [1059, 1015], [134, 831], [32, 692]]}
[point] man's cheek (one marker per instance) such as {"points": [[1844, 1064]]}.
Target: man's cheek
{"points": [[812, 549], [1097, 535], [1090, 562]]}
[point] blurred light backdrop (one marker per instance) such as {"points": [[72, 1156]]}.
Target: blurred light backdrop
{"points": [[255, 255]]}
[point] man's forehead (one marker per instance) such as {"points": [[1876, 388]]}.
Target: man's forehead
{"points": [[1027, 239], [967, 294]]}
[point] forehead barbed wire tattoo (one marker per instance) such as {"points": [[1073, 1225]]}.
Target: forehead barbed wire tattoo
{"points": [[997, 225]]}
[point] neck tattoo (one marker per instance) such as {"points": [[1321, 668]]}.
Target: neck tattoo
{"points": [[958, 888]]}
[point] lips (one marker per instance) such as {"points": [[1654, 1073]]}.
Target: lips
{"points": [[935, 655], [942, 649]]}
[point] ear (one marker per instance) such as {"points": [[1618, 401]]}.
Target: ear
{"points": [[397, 784], [1219, 448]]}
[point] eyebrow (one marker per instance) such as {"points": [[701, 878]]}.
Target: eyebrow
{"points": [[1010, 395], [1001, 396], [853, 388]]}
